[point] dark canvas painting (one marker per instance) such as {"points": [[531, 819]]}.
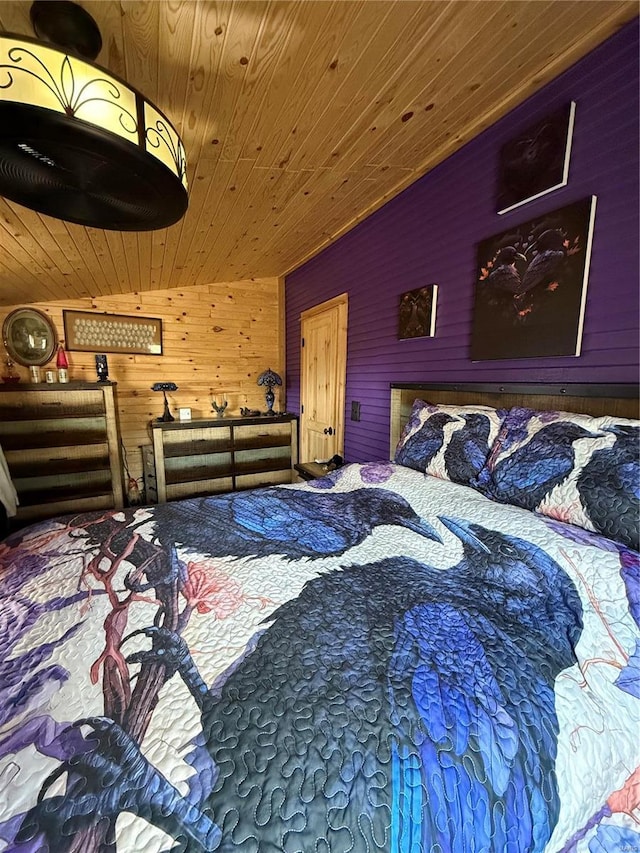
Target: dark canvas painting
{"points": [[417, 313], [537, 160], [531, 286]]}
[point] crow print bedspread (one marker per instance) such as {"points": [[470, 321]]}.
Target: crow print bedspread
{"points": [[375, 661]]}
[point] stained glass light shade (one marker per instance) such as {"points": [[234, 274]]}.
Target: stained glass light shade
{"points": [[80, 144]]}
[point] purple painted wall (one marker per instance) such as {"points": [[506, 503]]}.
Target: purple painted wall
{"points": [[429, 233]]}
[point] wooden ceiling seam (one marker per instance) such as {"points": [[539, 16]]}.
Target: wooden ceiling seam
{"points": [[385, 96], [321, 96], [240, 180], [323, 45], [333, 96], [176, 46], [422, 106], [229, 79], [225, 172], [22, 243], [262, 65]]}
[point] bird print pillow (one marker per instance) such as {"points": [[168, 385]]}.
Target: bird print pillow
{"points": [[449, 442], [571, 467]]}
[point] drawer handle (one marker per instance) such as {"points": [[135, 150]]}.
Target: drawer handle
{"points": [[52, 402]]}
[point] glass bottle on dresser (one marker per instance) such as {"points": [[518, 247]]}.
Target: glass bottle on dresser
{"points": [[62, 364]]}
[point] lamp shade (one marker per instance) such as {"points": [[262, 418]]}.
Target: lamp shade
{"points": [[80, 144]]}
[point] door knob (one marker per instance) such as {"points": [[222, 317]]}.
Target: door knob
{"points": [[328, 431]]}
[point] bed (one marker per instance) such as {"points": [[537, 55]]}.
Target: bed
{"points": [[435, 653]]}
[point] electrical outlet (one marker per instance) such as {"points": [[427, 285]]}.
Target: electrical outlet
{"points": [[355, 410]]}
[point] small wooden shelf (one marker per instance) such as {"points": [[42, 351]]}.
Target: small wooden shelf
{"points": [[207, 455]]}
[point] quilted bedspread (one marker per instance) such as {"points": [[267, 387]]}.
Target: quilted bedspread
{"points": [[375, 661]]}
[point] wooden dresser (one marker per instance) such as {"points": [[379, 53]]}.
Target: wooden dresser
{"points": [[204, 456], [62, 445]]}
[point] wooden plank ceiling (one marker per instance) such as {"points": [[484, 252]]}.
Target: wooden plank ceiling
{"points": [[298, 118]]}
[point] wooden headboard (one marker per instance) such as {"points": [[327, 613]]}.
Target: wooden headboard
{"points": [[589, 399]]}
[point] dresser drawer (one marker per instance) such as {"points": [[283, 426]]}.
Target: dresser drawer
{"points": [[46, 461], [63, 432], [39, 405]]}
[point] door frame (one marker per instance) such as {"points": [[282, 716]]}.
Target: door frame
{"points": [[342, 303]]}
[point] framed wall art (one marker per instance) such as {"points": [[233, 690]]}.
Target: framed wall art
{"points": [[87, 331], [531, 286], [417, 312], [536, 161], [29, 337]]}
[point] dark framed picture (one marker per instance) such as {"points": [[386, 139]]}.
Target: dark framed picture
{"points": [[417, 312], [88, 331], [531, 286], [536, 161]]}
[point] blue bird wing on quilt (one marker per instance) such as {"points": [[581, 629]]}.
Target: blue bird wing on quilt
{"points": [[609, 487], [310, 524], [630, 478], [475, 452], [539, 465], [527, 477], [475, 728], [421, 447], [265, 521], [468, 449], [292, 522], [520, 473]]}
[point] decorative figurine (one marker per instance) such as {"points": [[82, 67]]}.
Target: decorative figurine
{"points": [[250, 413], [102, 368], [166, 416], [219, 409], [269, 378]]}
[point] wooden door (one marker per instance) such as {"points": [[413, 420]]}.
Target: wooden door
{"points": [[323, 379]]}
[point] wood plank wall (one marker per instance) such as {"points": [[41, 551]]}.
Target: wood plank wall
{"points": [[217, 339]]}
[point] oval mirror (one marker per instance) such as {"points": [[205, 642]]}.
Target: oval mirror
{"points": [[29, 337]]}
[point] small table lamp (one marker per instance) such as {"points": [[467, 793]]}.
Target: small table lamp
{"points": [[164, 387], [269, 378]]}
